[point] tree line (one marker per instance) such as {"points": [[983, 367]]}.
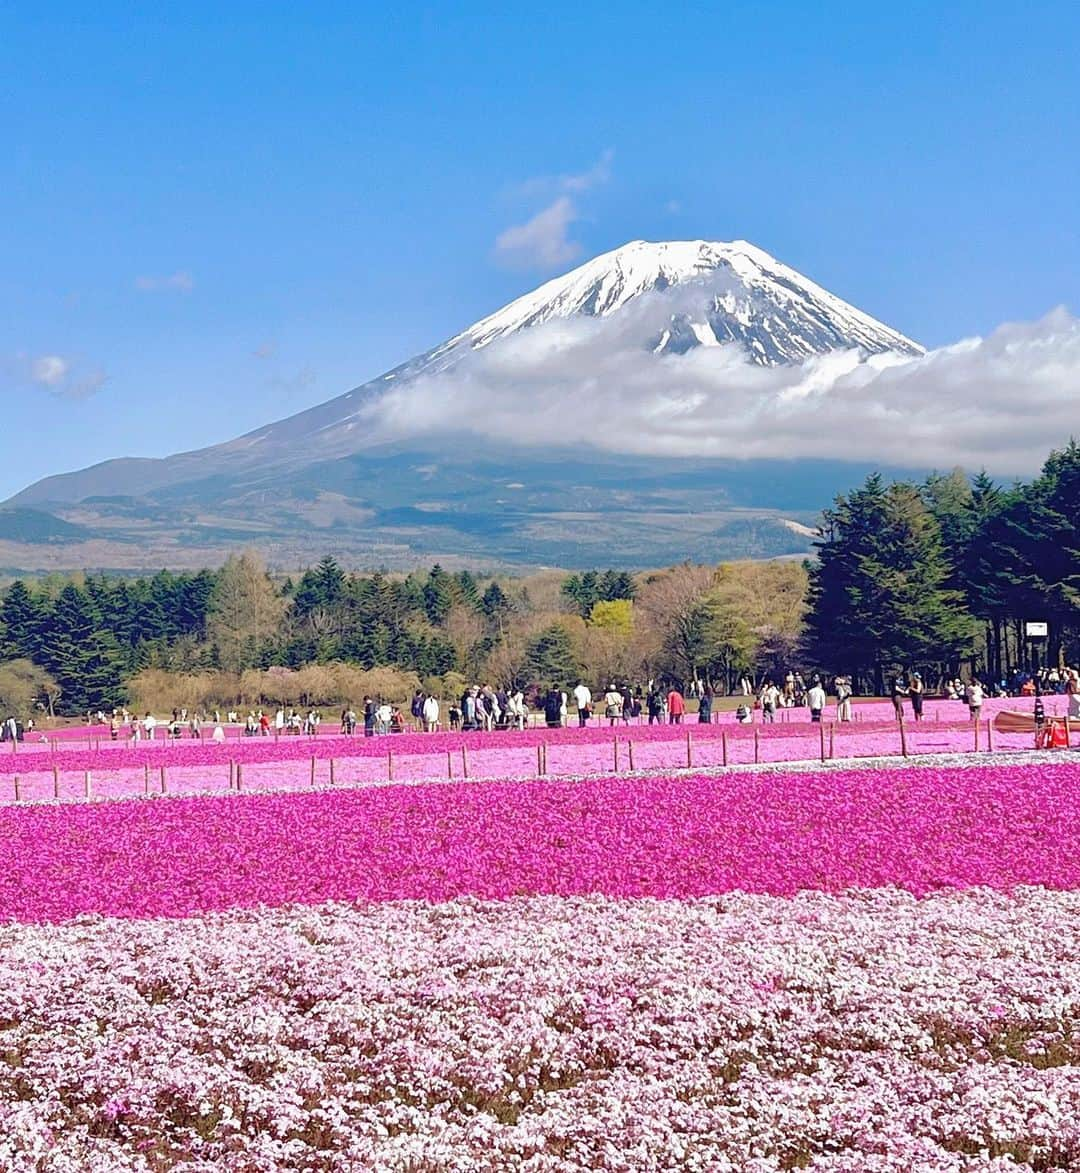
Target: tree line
{"points": [[939, 575]]}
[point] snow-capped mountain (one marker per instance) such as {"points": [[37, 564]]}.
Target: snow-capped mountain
{"points": [[744, 296], [660, 299]]}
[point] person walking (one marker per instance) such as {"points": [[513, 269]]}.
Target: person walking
{"points": [[816, 698], [769, 699], [676, 706]]}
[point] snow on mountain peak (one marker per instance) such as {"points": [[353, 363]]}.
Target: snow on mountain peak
{"points": [[746, 296]]}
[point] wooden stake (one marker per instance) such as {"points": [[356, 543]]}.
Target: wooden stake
{"points": [[164, 781], [539, 758], [723, 745], [146, 778], [331, 774], [689, 750], [545, 758], [832, 741], [239, 774], [821, 732], [17, 797], [464, 761], [903, 739], [630, 754], [312, 771], [389, 765], [977, 724], [56, 781], [615, 749], [86, 783], [990, 733], [757, 747], [449, 765]]}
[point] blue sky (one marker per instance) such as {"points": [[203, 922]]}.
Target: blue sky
{"points": [[208, 223]]}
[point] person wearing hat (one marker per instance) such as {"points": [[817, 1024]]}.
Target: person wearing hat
{"points": [[915, 691]]}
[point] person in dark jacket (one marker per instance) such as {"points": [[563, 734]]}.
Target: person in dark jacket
{"points": [[704, 715], [553, 708]]}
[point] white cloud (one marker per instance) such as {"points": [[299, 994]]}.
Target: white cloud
{"points": [[542, 242], [49, 370], [179, 282], [60, 376], [1000, 402]]}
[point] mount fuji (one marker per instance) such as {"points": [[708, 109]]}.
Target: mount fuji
{"points": [[404, 467]]}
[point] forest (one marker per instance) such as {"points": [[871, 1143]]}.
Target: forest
{"points": [[939, 575]]}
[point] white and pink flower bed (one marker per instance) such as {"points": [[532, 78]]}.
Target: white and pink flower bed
{"points": [[864, 969]]}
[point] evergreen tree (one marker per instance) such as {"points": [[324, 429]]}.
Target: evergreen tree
{"points": [[438, 594], [550, 657], [879, 595], [23, 615]]}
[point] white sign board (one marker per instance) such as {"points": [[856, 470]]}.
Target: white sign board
{"points": [[1036, 630]]}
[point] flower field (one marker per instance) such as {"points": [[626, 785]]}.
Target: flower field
{"points": [[837, 969]]}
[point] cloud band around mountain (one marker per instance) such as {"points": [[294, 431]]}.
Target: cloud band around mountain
{"points": [[1000, 402]]}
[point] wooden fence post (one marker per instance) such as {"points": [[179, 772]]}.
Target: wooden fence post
{"points": [[56, 781], [86, 783], [615, 751], [539, 758], [313, 771], [990, 733], [689, 750], [389, 765], [630, 754], [146, 778], [723, 746], [331, 774], [977, 723], [832, 741], [449, 765], [17, 798], [239, 774], [903, 739], [821, 738], [164, 781], [465, 761], [757, 747]]}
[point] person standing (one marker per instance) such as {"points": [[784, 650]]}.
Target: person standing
{"points": [[583, 700], [975, 700], [429, 711], [916, 692], [553, 708], [816, 698], [843, 698], [613, 703], [704, 715], [369, 717], [676, 706], [769, 699], [899, 691], [655, 703]]}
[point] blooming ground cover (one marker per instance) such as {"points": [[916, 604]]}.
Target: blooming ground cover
{"points": [[919, 829], [870, 1031], [843, 969]]}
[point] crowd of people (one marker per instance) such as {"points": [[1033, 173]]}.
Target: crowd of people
{"points": [[483, 707]]}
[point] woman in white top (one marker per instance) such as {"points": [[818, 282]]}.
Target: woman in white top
{"points": [[612, 704], [431, 714]]}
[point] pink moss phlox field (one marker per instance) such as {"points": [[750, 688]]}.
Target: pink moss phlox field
{"points": [[865, 1033], [920, 829]]}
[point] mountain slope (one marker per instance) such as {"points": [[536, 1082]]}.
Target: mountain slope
{"points": [[354, 467]]}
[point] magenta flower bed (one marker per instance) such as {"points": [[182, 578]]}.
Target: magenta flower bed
{"points": [[919, 829]]}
